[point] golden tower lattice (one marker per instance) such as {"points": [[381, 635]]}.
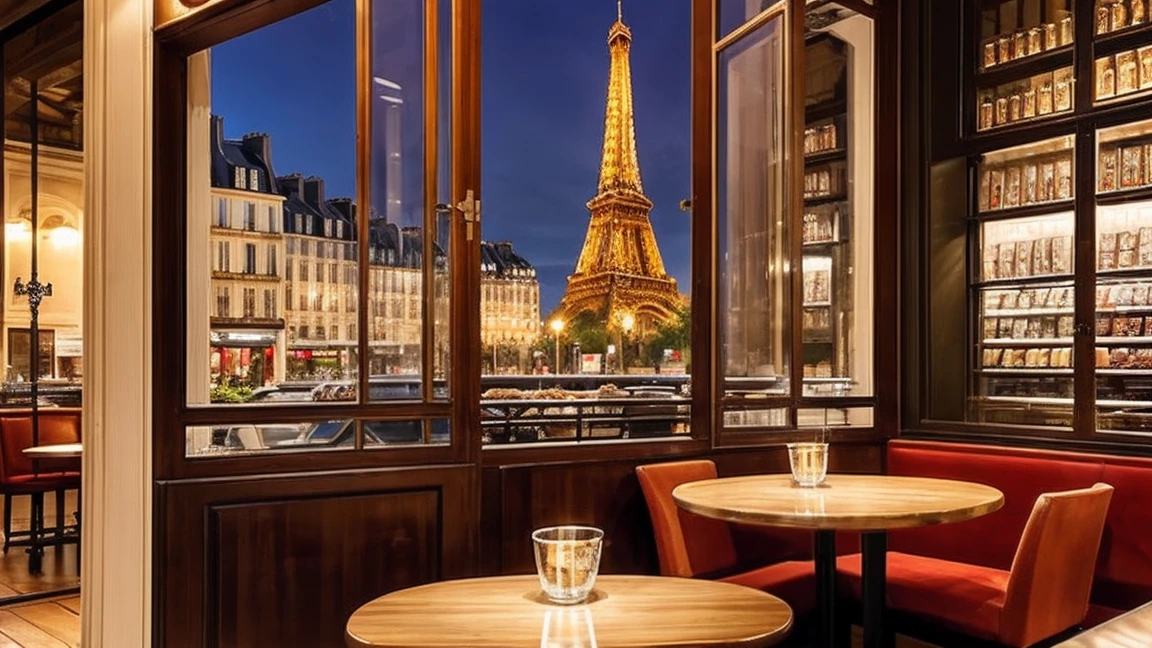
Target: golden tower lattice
{"points": [[620, 270]]}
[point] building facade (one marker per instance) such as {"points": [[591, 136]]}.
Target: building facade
{"points": [[509, 303], [246, 242]]}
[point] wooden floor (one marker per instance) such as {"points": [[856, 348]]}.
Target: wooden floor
{"points": [[60, 569], [52, 623]]}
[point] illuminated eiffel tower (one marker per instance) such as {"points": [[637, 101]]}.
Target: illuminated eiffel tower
{"points": [[620, 271]]}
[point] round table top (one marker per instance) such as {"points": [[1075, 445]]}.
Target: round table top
{"points": [[511, 611], [842, 502], [55, 451]]}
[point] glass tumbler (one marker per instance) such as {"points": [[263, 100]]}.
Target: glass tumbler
{"points": [[567, 561], [809, 463]]}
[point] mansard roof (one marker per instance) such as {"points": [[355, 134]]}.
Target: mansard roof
{"points": [[498, 259], [254, 152]]}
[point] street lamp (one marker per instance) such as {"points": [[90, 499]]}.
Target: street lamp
{"points": [[557, 326], [626, 324]]}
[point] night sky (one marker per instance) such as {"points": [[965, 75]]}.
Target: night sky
{"points": [[545, 76]]}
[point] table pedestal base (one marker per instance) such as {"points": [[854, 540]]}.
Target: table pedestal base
{"points": [[874, 545]]}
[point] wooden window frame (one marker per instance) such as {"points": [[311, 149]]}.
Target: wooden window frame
{"points": [[217, 23]]}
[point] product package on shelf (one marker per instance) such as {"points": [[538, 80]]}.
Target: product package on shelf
{"points": [[1115, 15], [1032, 180], [1037, 96]]}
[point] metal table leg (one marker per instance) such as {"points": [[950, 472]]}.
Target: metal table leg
{"points": [[874, 602], [825, 555]]}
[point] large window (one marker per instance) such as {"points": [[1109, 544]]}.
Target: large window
{"points": [[795, 242], [585, 260], [280, 147]]}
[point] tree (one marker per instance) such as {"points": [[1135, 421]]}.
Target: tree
{"points": [[676, 333]]}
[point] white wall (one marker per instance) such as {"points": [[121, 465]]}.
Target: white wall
{"points": [[116, 545]]}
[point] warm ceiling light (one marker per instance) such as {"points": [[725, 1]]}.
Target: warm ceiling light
{"points": [[64, 236], [17, 231]]}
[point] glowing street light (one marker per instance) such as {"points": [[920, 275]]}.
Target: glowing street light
{"points": [[626, 324], [557, 327]]}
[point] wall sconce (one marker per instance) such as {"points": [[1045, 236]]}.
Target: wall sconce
{"points": [[56, 228]]}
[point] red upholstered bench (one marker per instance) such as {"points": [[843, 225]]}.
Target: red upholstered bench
{"points": [[1123, 577]]}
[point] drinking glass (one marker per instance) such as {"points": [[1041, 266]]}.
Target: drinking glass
{"points": [[809, 463], [567, 561]]}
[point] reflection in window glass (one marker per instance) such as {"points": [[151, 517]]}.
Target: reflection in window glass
{"points": [[397, 245], [43, 112], [271, 175], [837, 227], [734, 13], [753, 272], [207, 441], [389, 433]]}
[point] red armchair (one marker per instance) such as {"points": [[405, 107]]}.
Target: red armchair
{"points": [[1044, 593], [20, 475], [693, 546]]}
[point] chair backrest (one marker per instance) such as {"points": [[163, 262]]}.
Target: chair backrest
{"points": [[1051, 576], [16, 435], [688, 544]]}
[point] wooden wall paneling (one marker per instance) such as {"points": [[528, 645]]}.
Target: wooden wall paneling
{"points": [[606, 495], [312, 562], [275, 561]]}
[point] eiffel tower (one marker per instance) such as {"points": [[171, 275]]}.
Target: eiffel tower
{"points": [[620, 271]]}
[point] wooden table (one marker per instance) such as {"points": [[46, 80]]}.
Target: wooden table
{"points": [[868, 503], [55, 451], [36, 528], [511, 611], [1130, 630]]}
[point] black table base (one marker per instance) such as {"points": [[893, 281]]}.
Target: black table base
{"points": [[874, 546]]}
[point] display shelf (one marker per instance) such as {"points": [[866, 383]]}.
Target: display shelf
{"points": [[1035, 400], [834, 155], [1123, 341], [1022, 281], [1037, 209], [1123, 372], [826, 199], [1032, 342], [825, 109], [1128, 38], [1125, 273], [1121, 196], [1027, 371], [1027, 312], [817, 304], [1004, 73], [819, 246]]}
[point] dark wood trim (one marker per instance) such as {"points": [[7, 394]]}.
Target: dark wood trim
{"points": [[1068, 442], [886, 219], [431, 191], [466, 135], [225, 20], [169, 213], [703, 221], [363, 188], [794, 123], [914, 124]]}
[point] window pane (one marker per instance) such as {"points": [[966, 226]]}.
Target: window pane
{"points": [[43, 111], [398, 205], [208, 441], [264, 198], [585, 258], [837, 227], [752, 265], [734, 13], [390, 433]]}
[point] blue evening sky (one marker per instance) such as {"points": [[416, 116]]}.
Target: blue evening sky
{"points": [[545, 75]]}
